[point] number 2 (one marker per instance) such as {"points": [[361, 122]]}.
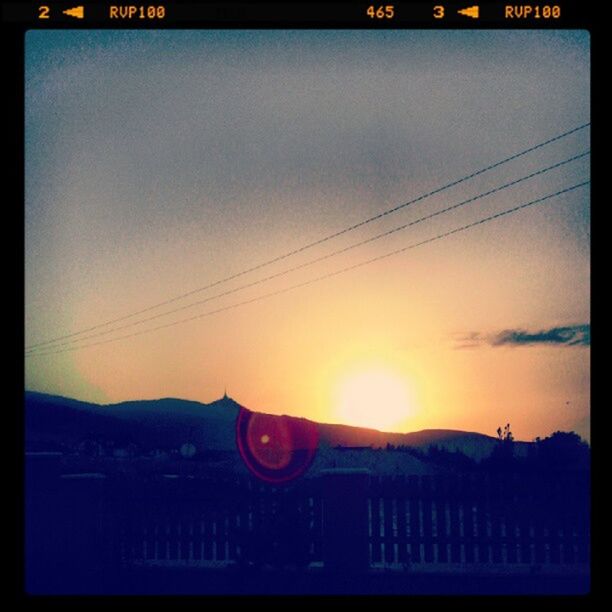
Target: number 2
{"points": [[43, 12]]}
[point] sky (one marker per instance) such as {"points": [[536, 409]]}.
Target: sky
{"points": [[161, 162]]}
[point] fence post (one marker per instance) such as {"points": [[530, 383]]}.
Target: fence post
{"points": [[345, 519]]}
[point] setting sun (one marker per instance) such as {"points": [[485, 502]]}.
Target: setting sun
{"points": [[373, 397]]}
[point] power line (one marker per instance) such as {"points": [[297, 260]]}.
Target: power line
{"points": [[326, 256], [325, 276], [314, 243]]}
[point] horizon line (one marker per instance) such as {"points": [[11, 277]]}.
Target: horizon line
{"points": [[227, 397]]}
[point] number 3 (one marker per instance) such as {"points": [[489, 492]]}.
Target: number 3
{"points": [[438, 12]]}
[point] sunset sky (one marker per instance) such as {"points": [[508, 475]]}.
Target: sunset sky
{"points": [[161, 162]]}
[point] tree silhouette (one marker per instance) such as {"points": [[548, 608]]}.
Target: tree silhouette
{"points": [[505, 435], [563, 450], [502, 456]]}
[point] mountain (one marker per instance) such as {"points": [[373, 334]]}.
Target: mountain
{"points": [[472, 444], [162, 423], [168, 423]]}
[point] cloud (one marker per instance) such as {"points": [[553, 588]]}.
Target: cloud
{"points": [[572, 335]]}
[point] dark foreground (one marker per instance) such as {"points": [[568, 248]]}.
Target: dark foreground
{"points": [[343, 532], [158, 581]]}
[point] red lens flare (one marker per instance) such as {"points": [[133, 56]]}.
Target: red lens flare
{"points": [[275, 448]]}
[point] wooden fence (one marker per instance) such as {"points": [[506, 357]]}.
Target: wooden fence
{"points": [[428, 520], [475, 519], [211, 524], [415, 521]]}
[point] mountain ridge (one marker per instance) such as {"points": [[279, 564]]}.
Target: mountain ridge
{"points": [[125, 403], [169, 422]]}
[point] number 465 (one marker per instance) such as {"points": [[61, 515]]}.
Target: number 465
{"points": [[382, 12]]}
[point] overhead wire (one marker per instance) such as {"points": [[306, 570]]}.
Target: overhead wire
{"points": [[323, 257], [311, 281], [312, 244]]}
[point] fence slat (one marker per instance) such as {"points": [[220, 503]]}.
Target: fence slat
{"points": [[426, 495], [374, 512], [415, 519], [402, 539], [469, 509], [455, 538], [389, 540]]}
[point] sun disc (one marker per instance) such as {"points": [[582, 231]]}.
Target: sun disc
{"points": [[373, 397]]}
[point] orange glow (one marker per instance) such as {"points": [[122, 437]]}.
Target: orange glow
{"points": [[374, 397]]}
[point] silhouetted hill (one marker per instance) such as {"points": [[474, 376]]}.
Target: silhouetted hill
{"points": [[472, 444], [164, 423], [169, 422]]}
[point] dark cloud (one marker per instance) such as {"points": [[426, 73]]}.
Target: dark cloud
{"points": [[572, 335]]}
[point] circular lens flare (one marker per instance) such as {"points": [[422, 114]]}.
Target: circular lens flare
{"points": [[275, 448]]}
